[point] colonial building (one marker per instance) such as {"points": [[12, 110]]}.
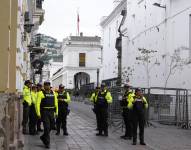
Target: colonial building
{"points": [[82, 59], [19, 20]]}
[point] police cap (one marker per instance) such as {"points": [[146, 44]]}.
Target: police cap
{"points": [[127, 86], [61, 86], [27, 82], [103, 85], [47, 83], [138, 90], [39, 85]]}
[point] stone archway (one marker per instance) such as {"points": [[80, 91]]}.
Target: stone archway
{"points": [[81, 78]]}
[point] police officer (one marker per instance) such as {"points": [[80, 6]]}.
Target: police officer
{"points": [[63, 111], [127, 113], [103, 98], [93, 100], [26, 104], [47, 105], [32, 114], [39, 89], [138, 104]]}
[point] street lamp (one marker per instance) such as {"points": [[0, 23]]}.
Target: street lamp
{"points": [[97, 77], [118, 46]]}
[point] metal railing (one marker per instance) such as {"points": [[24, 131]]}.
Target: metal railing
{"points": [[167, 106]]}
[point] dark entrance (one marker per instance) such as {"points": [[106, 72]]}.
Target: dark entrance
{"points": [[81, 78]]}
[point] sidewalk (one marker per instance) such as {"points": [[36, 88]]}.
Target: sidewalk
{"points": [[81, 127], [82, 137]]}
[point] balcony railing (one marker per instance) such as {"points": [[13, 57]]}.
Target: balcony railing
{"points": [[39, 4]]}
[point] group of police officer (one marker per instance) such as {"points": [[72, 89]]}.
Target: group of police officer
{"points": [[133, 105], [42, 104]]}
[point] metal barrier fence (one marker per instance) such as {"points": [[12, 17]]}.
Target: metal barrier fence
{"points": [[169, 106]]}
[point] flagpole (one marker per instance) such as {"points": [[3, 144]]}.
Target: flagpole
{"points": [[78, 23]]}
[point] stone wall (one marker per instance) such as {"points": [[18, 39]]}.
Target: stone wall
{"points": [[10, 122]]}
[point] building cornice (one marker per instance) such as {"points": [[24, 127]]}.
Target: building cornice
{"points": [[83, 45], [114, 13], [80, 68], [66, 68]]}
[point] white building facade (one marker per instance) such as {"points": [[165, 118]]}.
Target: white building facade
{"points": [[110, 25], [81, 62], [161, 30]]}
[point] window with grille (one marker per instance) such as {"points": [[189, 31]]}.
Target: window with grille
{"points": [[82, 59]]}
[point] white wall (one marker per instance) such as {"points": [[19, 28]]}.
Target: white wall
{"points": [[55, 66], [71, 56], [109, 35], [147, 28]]}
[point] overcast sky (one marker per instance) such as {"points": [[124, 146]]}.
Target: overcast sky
{"points": [[61, 17]]}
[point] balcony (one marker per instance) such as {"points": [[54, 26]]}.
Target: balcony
{"points": [[27, 26], [38, 15], [39, 4]]}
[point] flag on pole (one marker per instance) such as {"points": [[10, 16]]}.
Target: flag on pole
{"points": [[78, 24]]}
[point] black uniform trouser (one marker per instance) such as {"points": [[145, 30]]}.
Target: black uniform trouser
{"points": [[62, 120], [127, 117], [39, 124], [102, 118], [32, 120], [95, 111], [48, 122], [39, 121], [138, 120], [26, 109]]}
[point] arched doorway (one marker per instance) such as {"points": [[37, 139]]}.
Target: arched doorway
{"points": [[81, 78]]}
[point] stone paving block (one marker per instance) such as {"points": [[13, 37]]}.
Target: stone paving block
{"points": [[82, 137]]}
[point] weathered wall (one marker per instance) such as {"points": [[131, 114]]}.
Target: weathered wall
{"points": [[10, 125], [4, 43]]}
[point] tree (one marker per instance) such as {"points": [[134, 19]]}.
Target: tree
{"points": [[176, 63], [146, 59]]}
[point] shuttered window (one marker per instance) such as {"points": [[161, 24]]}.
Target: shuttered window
{"points": [[82, 59]]}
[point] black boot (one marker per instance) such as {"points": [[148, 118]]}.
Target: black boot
{"points": [[99, 133], [65, 133], [142, 143], [134, 141], [25, 130], [106, 133], [43, 140]]}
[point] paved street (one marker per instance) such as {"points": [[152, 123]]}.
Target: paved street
{"points": [[81, 126]]}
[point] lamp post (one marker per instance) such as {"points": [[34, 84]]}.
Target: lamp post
{"points": [[118, 46], [97, 77]]}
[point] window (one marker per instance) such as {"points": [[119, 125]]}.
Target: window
{"points": [[82, 59]]}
